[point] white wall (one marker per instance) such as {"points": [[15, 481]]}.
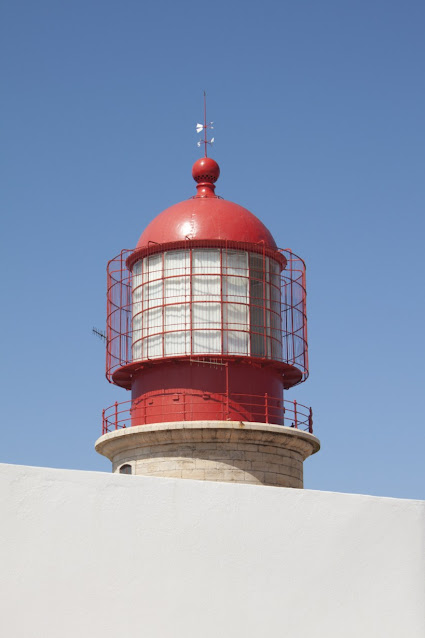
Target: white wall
{"points": [[90, 555]]}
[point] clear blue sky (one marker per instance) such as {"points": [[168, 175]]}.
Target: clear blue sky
{"points": [[319, 110]]}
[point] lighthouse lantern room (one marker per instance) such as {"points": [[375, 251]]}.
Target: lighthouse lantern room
{"points": [[206, 326]]}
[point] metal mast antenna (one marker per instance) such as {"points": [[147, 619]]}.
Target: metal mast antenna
{"points": [[205, 123], [204, 128]]}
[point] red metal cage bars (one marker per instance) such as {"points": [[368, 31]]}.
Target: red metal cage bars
{"points": [[286, 342], [277, 411]]}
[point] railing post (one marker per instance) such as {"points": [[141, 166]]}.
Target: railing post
{"points": [[310, 421], [227, 392], [267, 407], [116, 415], [295, 415], [104, 429]]}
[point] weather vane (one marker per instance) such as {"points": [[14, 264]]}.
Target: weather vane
{"points": [[204, 127]]}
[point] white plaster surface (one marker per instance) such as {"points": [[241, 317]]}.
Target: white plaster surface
{"points": [[90, 555]]}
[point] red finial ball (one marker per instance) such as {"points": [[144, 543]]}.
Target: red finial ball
{"points": [[205, 170]]}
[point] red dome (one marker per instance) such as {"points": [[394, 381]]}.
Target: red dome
{"points": [[206, 217]]}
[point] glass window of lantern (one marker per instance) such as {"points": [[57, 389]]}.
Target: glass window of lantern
{"points": [[152, 316], [206, 274], [206, 261], [152, 267], [206, 269], [235, 302], [177, 343], [177, 306], [137, 275], [152, 347], [176, 276], [275, 310], [206, 324], [177, 329], [206, 315], [208, 301], [262, 271], [206, 342], [176, 263], [257, 299], [137, 310]]}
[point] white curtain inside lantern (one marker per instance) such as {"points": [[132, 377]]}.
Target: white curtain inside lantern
{"points": [[236, 302], [152, 321], [206, 301], [176, 303], [137, 310], [206, 298]]}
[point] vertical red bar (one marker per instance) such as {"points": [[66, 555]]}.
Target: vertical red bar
{"points": [[108, 323], [227, 392], [221, 298], [310, 421], [264, 302], [304, 293], [190, 300], [104, 428], [120, 313], [146, 323], [295, 415], [292, 312], [267, 407], [129, 314], [285, 285], [163, 306], [116, 415]]}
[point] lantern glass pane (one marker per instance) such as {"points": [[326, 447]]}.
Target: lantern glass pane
{"points": [[206, 287], [206, 342], [152, 267], [177, 290], [235, 316], [177, 317], [235, 262], [137, 275], [236, 342], [206, 315], [206, 260], [235, 289], [176, 262], [137, 346], [152, 347], [152, 294], [152, 321], [176, 343]]}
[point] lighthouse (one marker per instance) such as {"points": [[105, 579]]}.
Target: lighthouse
{"points": [[207, 328]]}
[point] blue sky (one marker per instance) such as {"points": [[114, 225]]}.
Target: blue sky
{"points": [[319, 114]]}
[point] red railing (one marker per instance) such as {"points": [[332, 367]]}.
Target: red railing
{"points": [[276, 328], [268, 409]]}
